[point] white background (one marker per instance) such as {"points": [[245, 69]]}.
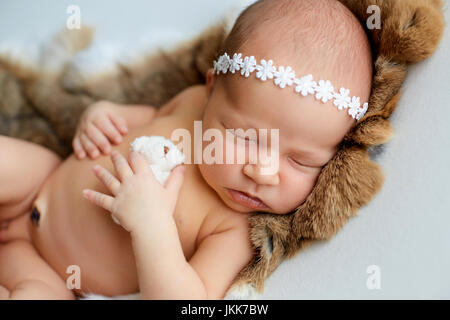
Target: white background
{"points": [[405, 230]]}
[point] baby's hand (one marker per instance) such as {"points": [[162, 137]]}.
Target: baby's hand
{"points": [[139, 200], [99, 126]]}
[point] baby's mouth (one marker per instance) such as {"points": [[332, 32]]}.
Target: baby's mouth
{"points": [[246, 200]]}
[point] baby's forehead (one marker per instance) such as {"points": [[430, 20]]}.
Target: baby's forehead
{"points": [[263, 105]]}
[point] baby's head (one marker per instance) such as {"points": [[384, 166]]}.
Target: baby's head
{"points": [[317, 37]]}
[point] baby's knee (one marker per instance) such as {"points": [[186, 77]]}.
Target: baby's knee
{"points": [[4, 293], [27, 276]]}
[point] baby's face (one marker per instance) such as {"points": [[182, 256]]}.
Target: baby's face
{"points": [[309, 134]]}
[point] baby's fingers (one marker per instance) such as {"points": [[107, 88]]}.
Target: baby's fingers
{"points": [[98, 138], [78, 148], [109, 180], [99, 199], [106, 125], [121, 165], [138, 163], [119, 122], [89, 146], [176, 179]]}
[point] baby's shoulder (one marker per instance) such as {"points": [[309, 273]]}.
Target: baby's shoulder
{"points": [[230, 236], [225, 220], [191, 99], [233, 220]]}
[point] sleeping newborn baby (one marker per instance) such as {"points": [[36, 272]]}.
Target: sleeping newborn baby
{"points": [[302, 67]]}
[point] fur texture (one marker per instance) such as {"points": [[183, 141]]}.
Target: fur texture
{"points": [[43, 107]]}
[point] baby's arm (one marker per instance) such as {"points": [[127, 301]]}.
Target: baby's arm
{"points": [[106, 122], [136, 115], [145, 209], [164, 272]]}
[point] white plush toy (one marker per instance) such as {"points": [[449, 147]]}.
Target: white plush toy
{"points": [[162, 156]]}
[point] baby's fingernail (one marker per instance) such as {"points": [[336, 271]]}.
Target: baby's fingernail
{"points": [[95, 153]]}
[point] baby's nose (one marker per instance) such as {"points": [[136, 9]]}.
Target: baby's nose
{"points": [[255, 172]]}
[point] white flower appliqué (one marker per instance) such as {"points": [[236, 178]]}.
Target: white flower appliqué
{"points": [[216, 67], [342, 99], [305, 85], [223, 64], [324, 91], [266, 70], [248, 66], [236, 63], [284, 77], [362, 111], [354, 106]]}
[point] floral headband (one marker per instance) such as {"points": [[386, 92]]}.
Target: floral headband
{"points": [[285, 76]]}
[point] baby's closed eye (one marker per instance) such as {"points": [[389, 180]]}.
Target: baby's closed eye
{"points": [[301, 163]]}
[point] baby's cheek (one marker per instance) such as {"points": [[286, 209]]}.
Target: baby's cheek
{"points": [[296, 189], [214, 174]]}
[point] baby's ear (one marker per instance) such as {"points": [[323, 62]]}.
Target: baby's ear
{"points": [[210, 79]]}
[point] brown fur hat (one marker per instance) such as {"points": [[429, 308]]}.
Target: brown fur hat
{"points": [[44, 107]]}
